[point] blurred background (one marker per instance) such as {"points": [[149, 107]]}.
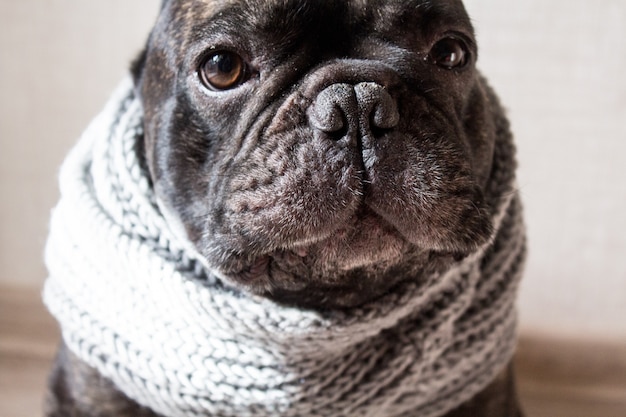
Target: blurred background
{"points": [[558, 67]]}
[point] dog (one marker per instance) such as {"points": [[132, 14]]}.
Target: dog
{"points": [[317, 154]]}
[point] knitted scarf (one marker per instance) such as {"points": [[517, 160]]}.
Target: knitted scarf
{"points": [[136, 302]]}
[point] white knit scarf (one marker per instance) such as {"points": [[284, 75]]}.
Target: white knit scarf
{"points": [[137, 303]]}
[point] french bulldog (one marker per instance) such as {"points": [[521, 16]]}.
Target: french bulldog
{"points": [[317, 153]]}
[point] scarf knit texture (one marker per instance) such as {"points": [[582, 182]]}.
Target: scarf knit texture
{"points": [[136, 302]]}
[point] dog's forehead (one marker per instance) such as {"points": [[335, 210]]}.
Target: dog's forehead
{"points": [[269, 12]]}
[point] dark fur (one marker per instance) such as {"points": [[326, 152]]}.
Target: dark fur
{"points": [[283, 207]]}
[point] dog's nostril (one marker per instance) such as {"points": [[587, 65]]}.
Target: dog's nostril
{"points": [[378, 109], [333, 108], [378, 105]]}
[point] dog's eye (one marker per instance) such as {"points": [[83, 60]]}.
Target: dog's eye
{"points": [[449, 53], [223, 70]]}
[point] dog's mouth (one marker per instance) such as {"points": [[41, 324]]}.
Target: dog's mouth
{"points": [[356, 263], [368, 242]]}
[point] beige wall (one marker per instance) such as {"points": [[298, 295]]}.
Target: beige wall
{"points": [[59, 61], [558, 66]]}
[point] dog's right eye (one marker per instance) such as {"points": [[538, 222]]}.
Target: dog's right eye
{"points": [[450, 53], [223, 70]]}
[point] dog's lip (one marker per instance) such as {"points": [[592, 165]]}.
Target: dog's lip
{"points": [[259, 265], [258, 268], [332, 247]]}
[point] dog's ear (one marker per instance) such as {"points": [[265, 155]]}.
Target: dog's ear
{"points": [[138, 65]]}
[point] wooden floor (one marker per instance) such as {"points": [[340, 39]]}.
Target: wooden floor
{"points": [[28, 338], [556, 378]]}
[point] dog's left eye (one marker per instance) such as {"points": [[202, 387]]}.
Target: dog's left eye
{"points": [[449, 53], [223, 70]]}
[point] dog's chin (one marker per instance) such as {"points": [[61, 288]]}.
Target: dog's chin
{"points": [[355, 264]]}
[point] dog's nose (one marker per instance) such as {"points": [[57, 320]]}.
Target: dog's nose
{"points": [[342, 110]]}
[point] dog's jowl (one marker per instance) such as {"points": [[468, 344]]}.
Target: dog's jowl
{"points": [[291, 208]]}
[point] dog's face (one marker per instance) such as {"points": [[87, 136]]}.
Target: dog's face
{"points": [[319, 151]]}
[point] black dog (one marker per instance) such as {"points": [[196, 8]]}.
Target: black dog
{"points": [[318, 153]]}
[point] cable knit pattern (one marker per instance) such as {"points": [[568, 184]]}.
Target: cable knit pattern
{"points": [[137, 302]]}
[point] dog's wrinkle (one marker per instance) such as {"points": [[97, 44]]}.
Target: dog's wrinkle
{"points": [[305, 31], [291, 113], [350, 71], [295, 16]]}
